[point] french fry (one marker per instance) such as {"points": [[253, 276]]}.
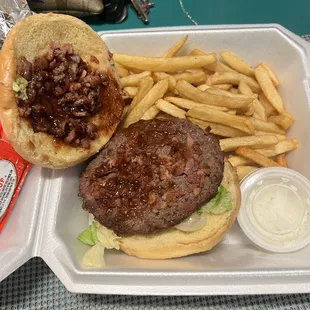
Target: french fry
{"points": [[264, 133], [230, 144], [269, 109], [261, 125], [256, 157], [150, 113], [203, 87], [196, 78], [131, 91], [216, 66], [164, 115], [176, 47], [165, 64], [232, 111], [239, 161], [284, 120], [250, 110], [281, 160], [223, 86], [243, 171], [280, 148], [234, 90], [186, 90], [157, 92], [122, 71], [133, 79], [158, 76], [145, 86], [258, 109], [233, 78], [210, 115], [169, 108], [218, 129], [236, 63], [268, 88], [272, 75], [189, 104]]}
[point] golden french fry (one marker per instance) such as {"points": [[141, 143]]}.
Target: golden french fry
{"points": [[232, 111], [256, 157], [234, 90], [203, 87], [131, 91], [186, 90], [264, 133], [157, 92], [236, 63], [218, 129], [169, 108], [196, 78], [125, 110], [210, 115], [214, 67], [176, 47], [165, 64], [258, 109], [164, 115], [233, 78], [261, 125], [158, 76], [250, 110], [281, 160], [122, 71], [284, 120], [188, 104], [239, 161], [145, 86], [268, 88], [133, 79], [272, 75], [243, 171], [280, 148], [230, 144], [150, 113], [223, 86], [269, 109]]}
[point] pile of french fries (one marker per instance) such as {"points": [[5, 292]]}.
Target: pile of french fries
{"points": [[238, 103]]}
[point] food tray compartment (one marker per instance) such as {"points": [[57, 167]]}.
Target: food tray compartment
{"points": [[52, 218]]}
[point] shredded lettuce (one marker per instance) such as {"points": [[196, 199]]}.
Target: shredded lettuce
{"points": [[94, 257], [20, 87], [219, 204], [100, 238], [89, 235]]}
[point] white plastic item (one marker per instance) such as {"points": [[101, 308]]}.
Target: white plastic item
{"points": [[48, 216], [275, 209]]}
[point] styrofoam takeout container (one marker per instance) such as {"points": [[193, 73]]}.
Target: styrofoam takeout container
{"points": [[48, 215]]}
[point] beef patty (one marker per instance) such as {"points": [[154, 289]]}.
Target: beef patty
{"points": [[152, 176]]}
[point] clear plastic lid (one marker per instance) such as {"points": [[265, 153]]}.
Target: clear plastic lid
{"points": [[275, 209]]}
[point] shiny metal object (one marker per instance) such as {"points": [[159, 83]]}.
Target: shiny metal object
{"points": [[142, 7]]}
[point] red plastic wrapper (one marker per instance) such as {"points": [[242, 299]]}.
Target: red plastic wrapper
{"points": [[13, 171]]}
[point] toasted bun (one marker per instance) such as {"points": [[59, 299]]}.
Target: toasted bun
{"points": [[175, 243], [30, 38]]}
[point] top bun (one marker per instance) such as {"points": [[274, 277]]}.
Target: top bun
{"points": [[31, 38]]}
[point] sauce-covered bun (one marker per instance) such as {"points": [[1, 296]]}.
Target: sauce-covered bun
{"points": [[60, 95]]}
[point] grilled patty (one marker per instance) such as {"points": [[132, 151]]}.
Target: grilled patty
{"points": [[151, 176]]}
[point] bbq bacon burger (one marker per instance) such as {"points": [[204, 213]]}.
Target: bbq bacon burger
{"points": [[60, 95], [159, 189]]}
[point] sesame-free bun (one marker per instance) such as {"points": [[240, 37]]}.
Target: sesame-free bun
{"points": [[31, 38], [173, 243]]}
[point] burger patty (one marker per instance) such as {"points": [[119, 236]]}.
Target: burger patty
{"points": [[151, 176]]}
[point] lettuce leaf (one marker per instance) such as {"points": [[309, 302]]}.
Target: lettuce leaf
{"points": [[89, 235], [219, 204], [94, 257]]}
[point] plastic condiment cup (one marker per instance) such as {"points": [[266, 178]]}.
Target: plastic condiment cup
{"points": [[275, 209]]}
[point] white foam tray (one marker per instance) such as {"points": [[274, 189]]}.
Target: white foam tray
{"points": [[48, 215]]}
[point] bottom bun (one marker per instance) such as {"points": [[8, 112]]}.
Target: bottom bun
{"points": [[175, 243]]}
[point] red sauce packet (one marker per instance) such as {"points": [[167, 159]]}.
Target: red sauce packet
{"points": [[13, 171]]}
